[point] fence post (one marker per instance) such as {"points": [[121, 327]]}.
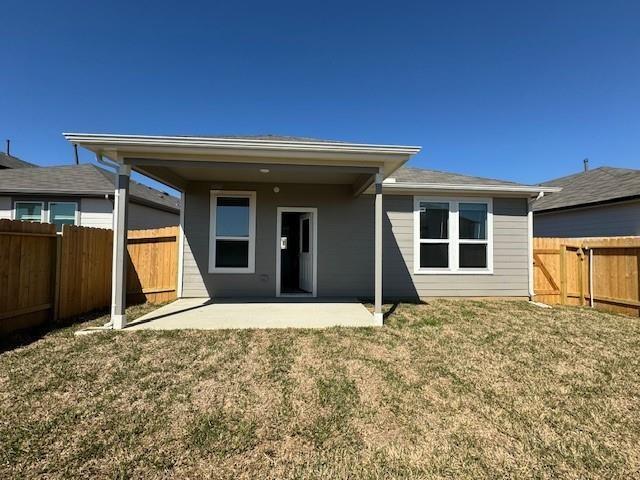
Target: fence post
{"points": [[56, 283], [591, 294], [563, 274], [581, 275]]}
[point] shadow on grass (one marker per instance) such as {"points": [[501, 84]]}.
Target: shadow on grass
{"points": [[22, 338]]}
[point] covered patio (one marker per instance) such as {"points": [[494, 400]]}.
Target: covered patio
{"points": [[208, 314], [237, 195]]}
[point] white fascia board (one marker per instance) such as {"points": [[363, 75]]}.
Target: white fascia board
{"points": [[524, 189], [110, 141]]}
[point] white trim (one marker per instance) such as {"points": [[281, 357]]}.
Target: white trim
{"points": [[452, 239], [240, 143], [251, 195], [76, 220], [181, 247], [43, 212], [533, 189], [280, 211], [532, 292]]}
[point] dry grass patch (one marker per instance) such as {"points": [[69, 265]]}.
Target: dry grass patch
{"points": [[463, 389]]}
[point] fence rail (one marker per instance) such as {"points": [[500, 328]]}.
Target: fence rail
{"points": [[599, 271], [45, 276]]}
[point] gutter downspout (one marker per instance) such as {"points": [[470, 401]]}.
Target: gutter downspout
{"points": [[530, 243], [107, 163]]}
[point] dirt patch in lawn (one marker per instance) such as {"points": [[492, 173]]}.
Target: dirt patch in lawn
{"points": [[464, 389]]}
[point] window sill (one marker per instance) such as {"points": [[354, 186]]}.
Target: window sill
{"points": [[453, 272], [232, 270]]}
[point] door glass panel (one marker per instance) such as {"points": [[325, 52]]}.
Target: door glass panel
{"points": [[232, 217], [434, 220], [473, 255], [434, 255], [473, 221]]}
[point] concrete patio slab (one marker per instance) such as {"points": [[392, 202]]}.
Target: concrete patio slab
{"points": [[206, 314]]}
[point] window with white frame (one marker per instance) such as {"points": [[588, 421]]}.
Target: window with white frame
{"points": [[453, 235], [62, 213], [29, 211], [232, 232]]}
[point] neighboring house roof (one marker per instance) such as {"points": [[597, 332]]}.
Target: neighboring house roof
{"points": [[9, 161], [600, 185], [84, 179]]}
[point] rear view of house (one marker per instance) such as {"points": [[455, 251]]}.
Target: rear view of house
{"points": [[272, 216], [601, 202]]}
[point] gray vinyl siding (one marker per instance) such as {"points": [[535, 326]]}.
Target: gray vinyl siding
{"points": [[510, 256], [345, 246], [602, 221], [345, 241], [143, 217]]}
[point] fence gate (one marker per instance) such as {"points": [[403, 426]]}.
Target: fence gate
{"points": [[603, 272]]}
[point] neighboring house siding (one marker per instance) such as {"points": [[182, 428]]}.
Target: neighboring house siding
{"points": [[345, 246], [510, 257], [601, 221], [143, 217], [5, 208], [96, 212]]}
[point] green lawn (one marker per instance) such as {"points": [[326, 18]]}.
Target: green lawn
{"points": [[450, 389]]}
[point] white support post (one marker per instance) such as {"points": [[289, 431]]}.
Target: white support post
{"points": [[377, 313], [119, 268], [179, 280]]}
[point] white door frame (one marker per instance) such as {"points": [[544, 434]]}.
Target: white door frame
{"points": [[314, 211]]}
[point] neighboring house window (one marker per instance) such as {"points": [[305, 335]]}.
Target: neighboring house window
{"points": [[62, 213], [232, 232], [29, 211], [453, 235]]}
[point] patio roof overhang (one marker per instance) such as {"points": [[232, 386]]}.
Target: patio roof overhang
{"points": [[177, 160]]}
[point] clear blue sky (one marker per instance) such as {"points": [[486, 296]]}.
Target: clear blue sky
{"points": [[521, 92]]}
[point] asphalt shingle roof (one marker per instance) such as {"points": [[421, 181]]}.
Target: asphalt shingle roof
{"points": [[603, 184], [81, 179], [9, 161], [420, 175]]}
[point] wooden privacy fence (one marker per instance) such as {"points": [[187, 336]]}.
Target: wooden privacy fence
{"points": [[27, 273], [45, 276], [601, 271]]}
